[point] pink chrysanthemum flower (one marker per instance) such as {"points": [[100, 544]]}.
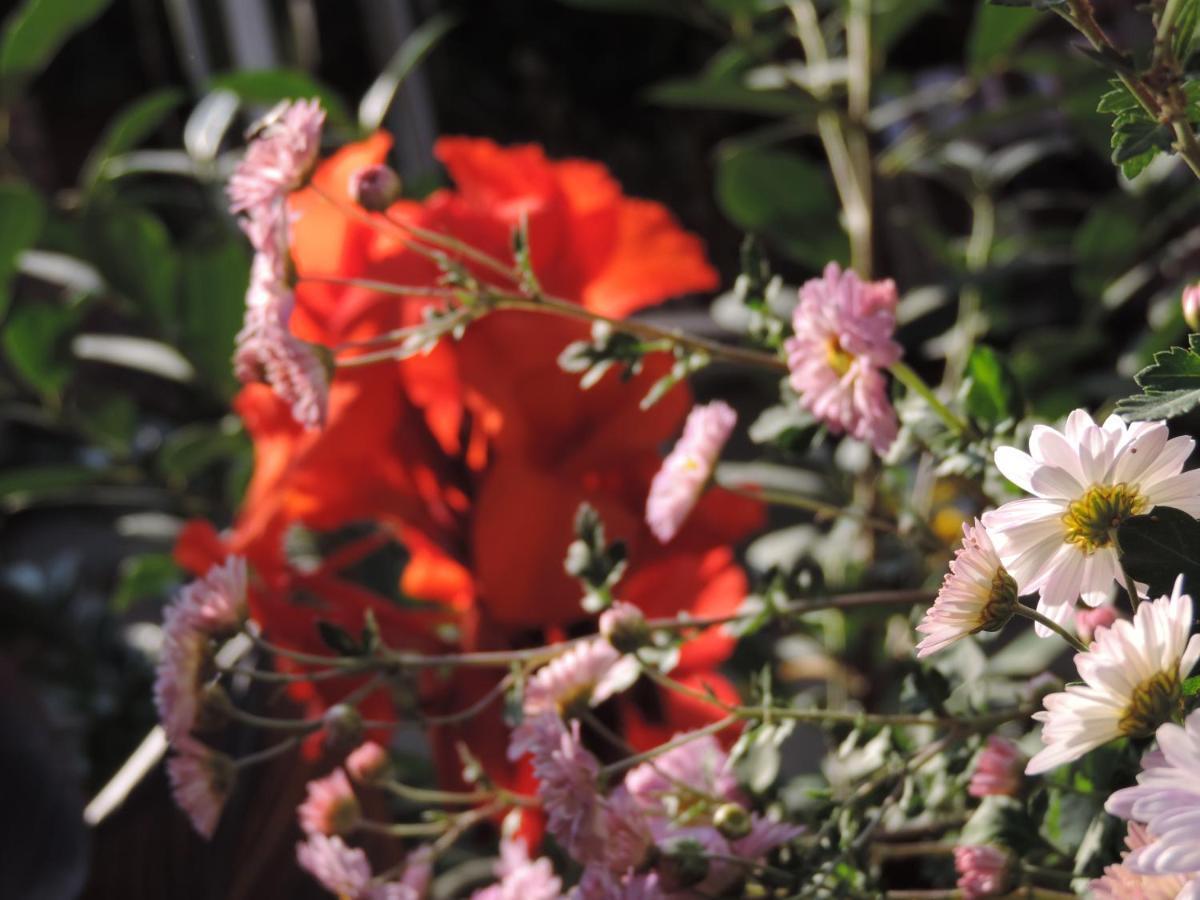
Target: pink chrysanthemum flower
{"points": [[521, 878], [1167, 799], [179, 675], [201, 780], [566, 774], [700, 766], [216, 603], [281, 156], [627, 834], [330, 807], [340, 868], [590, 672], [1086, 480], [765, 836], [1120, 882], [977, 594], [680, 481], [843, 342], [1133, 674], [368, 763], [983, 871], [1088, 619], [998, 769]]}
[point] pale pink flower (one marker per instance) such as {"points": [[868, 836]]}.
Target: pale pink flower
{"points": [[1086, 480], [368, 763], [842, 343], [766, 835], [375, 187], [1120, 882], [330, 806], [1167, 799], [700, 766], [997, 769], [977, 594], [627, 834], [1191, 306], [1132, 672], [521, 878], [1089, 618], [216, 603], [418, 871], [281, 155], [681, 479], [566, 774], [201, 780], [179, 674], [589, 672], [342, 869], [983, 871]]}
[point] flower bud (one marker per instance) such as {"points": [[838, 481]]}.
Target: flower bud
{"points": [[368, 764], [343, 726], [1191, 306], [732, 821], [624, 626], [682, 866], [374, 188]]}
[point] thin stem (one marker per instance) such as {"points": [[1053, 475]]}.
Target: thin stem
{"points": [[282, 677], [403, 829], [970, 299], [425, 795], [915, 383], [303, 726], [383, 287], [453, 244], [822, 508], [678, 741], [271, 752], [475, 708], [344, 662], [1029, 613]]}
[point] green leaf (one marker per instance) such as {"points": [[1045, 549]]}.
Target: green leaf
{"points": [[267, 87], [1191, 687], [19, 484], [720, 92], [212, 283], [128, 129], [893, 18], [150, 575], [133, 251], [190, 449], [34, 33], [784, 197], [995, 34], [1159, 547], [22, 215], [379, 96], [1170, 386], [993, 393], [35, 344], [1187, 24]]}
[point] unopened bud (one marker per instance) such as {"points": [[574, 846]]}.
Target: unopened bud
{"points": [[374, 188], [624, 626], [1191, 306], [682, 866], [343, 726], [368, 764], [732, 821]]}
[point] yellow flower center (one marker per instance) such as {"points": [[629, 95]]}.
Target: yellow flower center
{"points": [[839, 360], [1091, 519], [1156, 700], [999, 606]]}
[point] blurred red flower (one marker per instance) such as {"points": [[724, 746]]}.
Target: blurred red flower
{"points": [[476, 456]]}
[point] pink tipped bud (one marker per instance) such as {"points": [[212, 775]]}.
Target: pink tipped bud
{"points": [[343, 726], [374, 188], [1191, 306], [368, 764], [984, 871], [999, 770]]}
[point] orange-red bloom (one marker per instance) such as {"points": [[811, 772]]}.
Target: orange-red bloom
{"points": [[477, 456]]}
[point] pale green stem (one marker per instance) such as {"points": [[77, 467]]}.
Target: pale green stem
{"points": [[1029, 613], [915, 383]]}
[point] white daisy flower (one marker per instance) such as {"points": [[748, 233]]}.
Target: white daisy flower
{"points": [[1133, 674], [976, 595], [1086, 480], [1167, 799]]}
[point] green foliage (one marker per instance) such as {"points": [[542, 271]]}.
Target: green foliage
{"points": [[1137, 136], [35, 343], [598, 564], [34, 32], [212, 290], [133, 250], [22, 215], [995, 32], [1158, 547], [1187, 30], [379, 96], [1170, 387], [129, 128], [783, 197], [266, 87], [143, 577], [993, 394]]}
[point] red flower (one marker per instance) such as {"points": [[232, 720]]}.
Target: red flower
{"points": [[477, 456]]}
